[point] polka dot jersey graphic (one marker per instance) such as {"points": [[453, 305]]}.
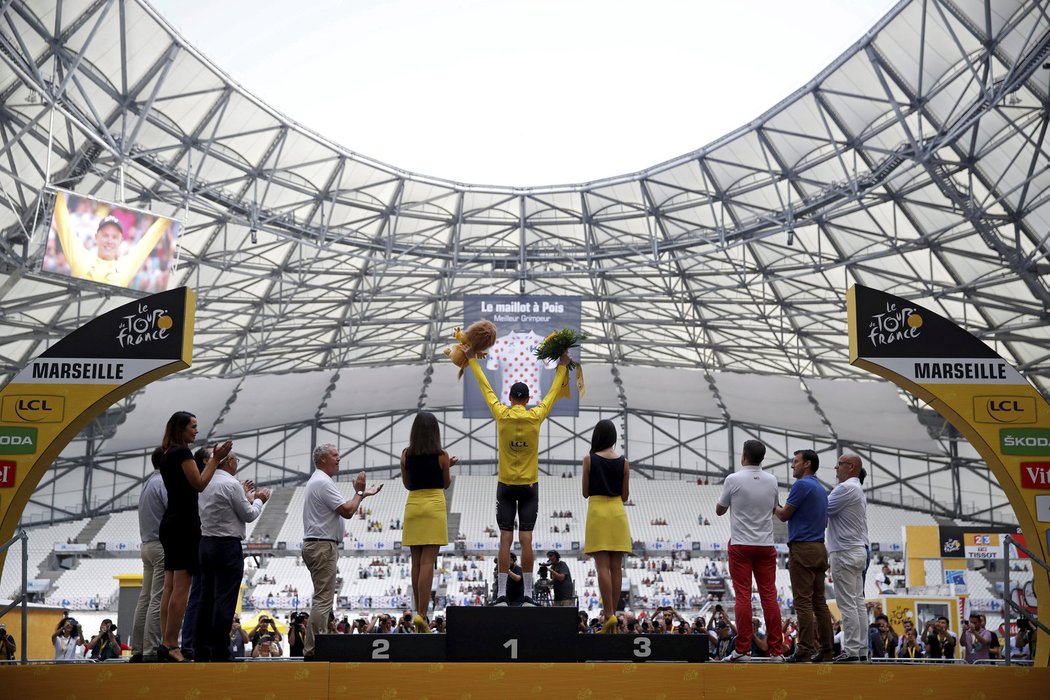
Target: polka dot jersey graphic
{"points": [[514, 356]]}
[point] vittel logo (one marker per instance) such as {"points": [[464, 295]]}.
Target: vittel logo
{"points": [[1035, 475]]}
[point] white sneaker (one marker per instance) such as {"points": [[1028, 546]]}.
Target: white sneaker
{"points": [[735, 657], [778, 659]]}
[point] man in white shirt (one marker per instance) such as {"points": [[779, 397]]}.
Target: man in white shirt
{"points": [[751, 494], [323, 531], [224, 506], [847, 541], [145, 633]]}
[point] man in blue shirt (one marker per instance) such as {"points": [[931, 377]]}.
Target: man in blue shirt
{"points": [[806, 513]]}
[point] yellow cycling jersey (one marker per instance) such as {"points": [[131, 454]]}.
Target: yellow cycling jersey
{"points": [[518, 428]]}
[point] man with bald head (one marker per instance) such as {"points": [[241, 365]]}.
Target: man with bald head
{"points": [[847, 542]]}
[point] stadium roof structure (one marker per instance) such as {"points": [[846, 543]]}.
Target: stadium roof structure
{"points": [[915, 163]]}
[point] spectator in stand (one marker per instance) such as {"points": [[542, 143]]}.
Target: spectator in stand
{"points": [[752, 496], [225, 506], [322, 532], [806, 513], [153, 501], [425, 473], [606, 485], [882, 579], [940, 644], [847, 543], [976, 640], [909, 626]]}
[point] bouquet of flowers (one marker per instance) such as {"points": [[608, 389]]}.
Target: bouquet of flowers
{"points": [[555, 344]]}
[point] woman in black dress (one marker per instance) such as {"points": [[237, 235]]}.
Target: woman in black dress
{"points": [[180, 528]]}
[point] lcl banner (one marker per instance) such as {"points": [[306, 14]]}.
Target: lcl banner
{"points": [[57, 394], [981, 394]]}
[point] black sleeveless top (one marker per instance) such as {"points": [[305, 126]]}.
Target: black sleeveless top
{"points": [[424, 472], [181, 512], [606, 477]]}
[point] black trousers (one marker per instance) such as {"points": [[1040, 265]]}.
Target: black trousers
{"points": [[222, 568]]}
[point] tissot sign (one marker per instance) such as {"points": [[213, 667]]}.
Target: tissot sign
{"points": [[980, 393], [53, 397]]}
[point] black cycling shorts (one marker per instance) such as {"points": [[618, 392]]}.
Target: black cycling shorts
{"points": [[522, 500]]}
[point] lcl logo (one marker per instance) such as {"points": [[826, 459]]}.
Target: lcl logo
{"points": [[1015, 410], [34, 409]]}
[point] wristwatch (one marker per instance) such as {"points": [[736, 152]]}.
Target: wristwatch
{"points": [[360, 493]]}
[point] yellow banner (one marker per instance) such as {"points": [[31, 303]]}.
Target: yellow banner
{"points": [[982, 395], [60, 392]]}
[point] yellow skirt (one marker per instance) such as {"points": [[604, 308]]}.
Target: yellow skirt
{"points": [[425, 521], [607, 529]]}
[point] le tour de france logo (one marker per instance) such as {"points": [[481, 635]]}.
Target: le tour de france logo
{"points": [[894, 325], [144, 326]]}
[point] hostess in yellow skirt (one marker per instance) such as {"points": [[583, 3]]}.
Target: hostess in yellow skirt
{"points": [[607, 529], [425, 519]]}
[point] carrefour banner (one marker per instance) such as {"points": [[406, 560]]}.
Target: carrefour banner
{"points": [[522, 322], [57, 394], [981, 394]]}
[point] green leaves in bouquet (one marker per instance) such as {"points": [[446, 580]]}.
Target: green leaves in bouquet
{"points": [[555, 344]]}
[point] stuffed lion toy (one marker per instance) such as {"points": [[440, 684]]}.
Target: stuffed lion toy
{"points": [[478, 336]]}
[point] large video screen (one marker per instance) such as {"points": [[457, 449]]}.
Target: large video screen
{"points": [[96, 240]]}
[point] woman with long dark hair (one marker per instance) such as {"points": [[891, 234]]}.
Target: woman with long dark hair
{"points": [[425, 473], [180, 527], [605, 486]]}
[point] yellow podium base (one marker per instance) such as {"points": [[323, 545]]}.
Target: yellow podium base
{"points": [[476, 681]]}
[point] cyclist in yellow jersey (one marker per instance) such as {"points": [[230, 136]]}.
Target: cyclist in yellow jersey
{"points": [[517, 493]]}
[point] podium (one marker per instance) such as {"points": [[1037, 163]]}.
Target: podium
{"points": [[427, 648], [545, 635], [691, 648]]}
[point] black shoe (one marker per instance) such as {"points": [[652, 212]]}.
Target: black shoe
{"points": [[528, 602], [500, 602], [309, 657], [846, 659], [162, 654], [822, 657], [135, 659], [797, 658]]}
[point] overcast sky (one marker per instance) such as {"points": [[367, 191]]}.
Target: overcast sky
{"points": [[522, 92]]}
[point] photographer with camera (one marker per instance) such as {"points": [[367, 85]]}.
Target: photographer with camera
{"points": [[238, 639], [7, 644], [106, 644], [297, 633], [67, 638], [515, 581], [266, 648], [266, 628], [561, 580]]}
